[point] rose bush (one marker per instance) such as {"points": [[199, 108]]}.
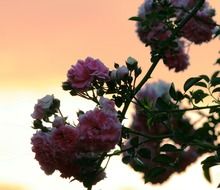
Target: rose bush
{"points": [[161, 139], [72, 149]]}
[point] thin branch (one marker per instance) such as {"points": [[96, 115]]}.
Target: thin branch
{"points": [[149, 137], [183, 110]]}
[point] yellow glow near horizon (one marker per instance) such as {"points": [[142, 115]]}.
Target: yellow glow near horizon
{"points": [[18, 165], [12, 187]]}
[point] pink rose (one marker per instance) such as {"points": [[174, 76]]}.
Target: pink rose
{"points": [[79, 76], [176, 58], [42, 106], [65, 139], [151, 92], [145, 8], [44, 151], [58, 122], [108, 106], [140, 123], [155, 31], [97, 69], [122, 72], [83, 73], [158, 31], [199, 30], [99, 131]]}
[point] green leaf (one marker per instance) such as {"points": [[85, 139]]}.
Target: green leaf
{"points": [[214, 109], [79, 113], [202, 84], [136, 18], [215, 81], [168, 148], [37, 124], [163, 159], [207, 164], [216, 90], [179, 96], [198, 95], [116, 65], [190, 82], [172, 91], [217, 61], [209, 160], [215, 74], [118, 101], [205, 77], [144, 153], [206, 173], [66, 86], [217, 32], [134, 141], [154, 173], [127, 159], [117, 152], [138, 164], [161, 104]]}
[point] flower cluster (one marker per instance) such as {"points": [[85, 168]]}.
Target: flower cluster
{"points": [[84, 74], [156, 27], [75, 151], [168, 161], [160, 140]]}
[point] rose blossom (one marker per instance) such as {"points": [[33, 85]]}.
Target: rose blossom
{"points": [[44, 152], [58, 122], [79, 76], [99, 130], [176, 58], [65, 141], [97, 69], [83, 73], [149, 93], [120, 73], [65, 138], [199, 30], [145, 8], [156, 31], [108, 106], [42, 106]]}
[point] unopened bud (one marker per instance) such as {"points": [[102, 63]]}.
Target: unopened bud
{"points": [[58, 122], [122, 72], [113, 75], [131, 63]]}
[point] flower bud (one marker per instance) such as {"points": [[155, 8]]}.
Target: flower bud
{"points": [[131, 63], [58, 122], [122, 72], [113, 75]]}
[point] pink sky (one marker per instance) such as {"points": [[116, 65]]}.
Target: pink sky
{"points": [[41, 39]]}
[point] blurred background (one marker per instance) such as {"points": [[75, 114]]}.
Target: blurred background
{"points": [[39, 41]]}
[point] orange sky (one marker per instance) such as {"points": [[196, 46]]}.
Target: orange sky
{"points": [[41, 39]]}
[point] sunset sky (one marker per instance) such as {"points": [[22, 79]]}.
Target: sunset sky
{"points": [[39, 41]]}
